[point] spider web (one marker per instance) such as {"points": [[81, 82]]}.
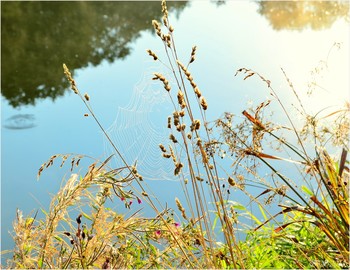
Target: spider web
{"points": [[140, 127]]}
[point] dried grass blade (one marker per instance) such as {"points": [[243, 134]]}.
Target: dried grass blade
{"points": [[253, 120], [105, 162], [280, 228], [289, 209], [342, 162]]}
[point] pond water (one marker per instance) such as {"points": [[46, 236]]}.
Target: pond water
{"points": [[105, 43]]}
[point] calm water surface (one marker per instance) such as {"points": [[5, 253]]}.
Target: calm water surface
{"points": [[105, 45]]}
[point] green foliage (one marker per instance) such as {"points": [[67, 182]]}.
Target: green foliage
{"points": [[37, 36], [300, 245], [316, 14]]}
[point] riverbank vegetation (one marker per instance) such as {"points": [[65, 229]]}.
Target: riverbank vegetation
{"points": [[299, 169]]}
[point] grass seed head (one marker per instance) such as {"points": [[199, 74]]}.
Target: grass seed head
{"points": [[204, 103], [87, 97], [181, 99], [151, 53], [231, 181], [169, 122], [157, 27], [197, 92], [178, 167], [193, 53], [172, 138], [162, 147], [176, 118]]}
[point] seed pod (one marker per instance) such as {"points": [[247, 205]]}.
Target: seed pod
{"points": [[176, 118], [162, 148], [169, 122], [195, 125], [231, 181], [178, 167], [181, 99], [172, 138], [87, 97], [79, 219], [193, 53], [204, 103], [199, 178], [151, 53], [197, 92]]}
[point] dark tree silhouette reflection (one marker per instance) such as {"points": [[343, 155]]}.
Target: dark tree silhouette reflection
{"points": [[37, 37], [298, 15]]}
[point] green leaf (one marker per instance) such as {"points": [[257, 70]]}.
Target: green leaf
{"points": [[40, 263], [262, 212], [58, 238], [223, 264], [307, 191], [215, 221], [44, 212], [87, 216], [237, 206]]}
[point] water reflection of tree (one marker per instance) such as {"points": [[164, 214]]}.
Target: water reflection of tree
{"points": [[37, 37], [297, 15]]}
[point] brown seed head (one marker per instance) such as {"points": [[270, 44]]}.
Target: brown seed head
{"points": [[178, 167], [151, 53], [162, 148], [169, 122], [164, 8], [70, 79], [172, 138], [86, 96], [176, 118], [158, 76], [157, 27], [231, 181], [181, 99], [193, 53], [197, 92], [204, 103]]}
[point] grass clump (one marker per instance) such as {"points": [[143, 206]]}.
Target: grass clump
{"points": [[310, 229]]}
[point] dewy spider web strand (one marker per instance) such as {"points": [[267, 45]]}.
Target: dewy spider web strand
{"points": [[139, 128]]}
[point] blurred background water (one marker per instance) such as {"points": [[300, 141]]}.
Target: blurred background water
{"points": [[104, 44]]}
